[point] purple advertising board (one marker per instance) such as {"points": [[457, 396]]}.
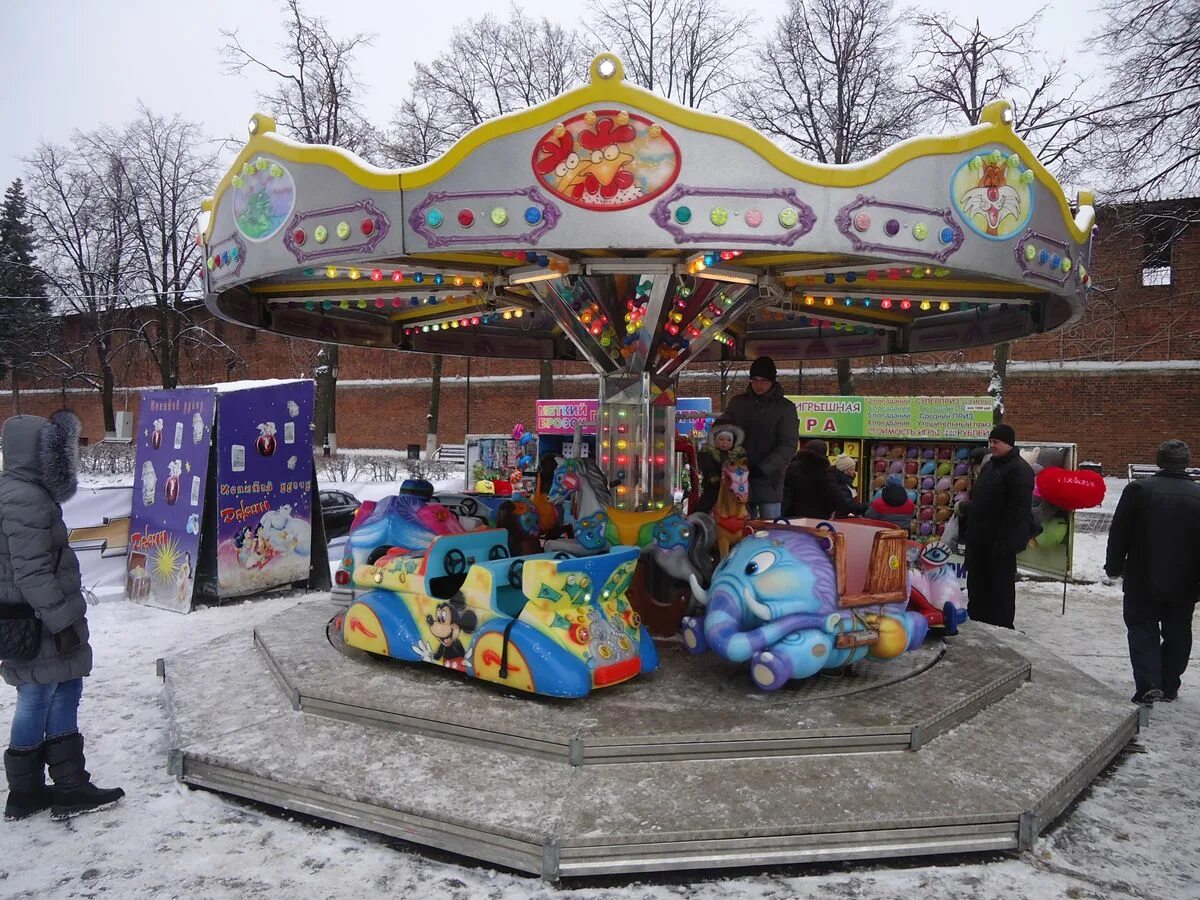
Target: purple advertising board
{"points": [[264, 486], [169, 490]]}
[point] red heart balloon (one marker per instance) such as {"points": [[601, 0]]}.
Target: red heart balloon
{"points": [[1071, 488]]}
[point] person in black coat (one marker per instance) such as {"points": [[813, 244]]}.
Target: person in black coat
{"points": [[768, 420], [808, 486], [1154, 546], [1001, 516], [845, 493]]}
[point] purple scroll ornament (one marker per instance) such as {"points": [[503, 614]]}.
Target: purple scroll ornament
{"points": [[845, 224], [219, 249], [416, 219], [1041, 242], [339, 247], [662, 217]]}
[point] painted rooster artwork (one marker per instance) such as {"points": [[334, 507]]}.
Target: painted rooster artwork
{"points": [[594, 170], [600, 161]]}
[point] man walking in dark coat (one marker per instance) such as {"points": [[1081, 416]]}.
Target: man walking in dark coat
{"points": [[1154, 545], [1001, 515], [772, 431]]}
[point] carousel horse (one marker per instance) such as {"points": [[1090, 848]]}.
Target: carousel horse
{"points": [[730, 511]]}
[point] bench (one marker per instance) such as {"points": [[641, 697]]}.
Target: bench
{"points": [[1145, 470]]}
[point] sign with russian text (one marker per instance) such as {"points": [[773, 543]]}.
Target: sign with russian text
{"points": [[264, 487], [561, 416], [829, 416], [170, 478], [905, 418]]}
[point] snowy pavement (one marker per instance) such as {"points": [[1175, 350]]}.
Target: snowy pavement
{"points": [[1134, 833]]}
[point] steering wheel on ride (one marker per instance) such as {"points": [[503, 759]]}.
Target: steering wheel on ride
{"points": [[455, 562]]}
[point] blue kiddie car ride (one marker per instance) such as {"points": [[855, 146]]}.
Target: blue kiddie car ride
{"points": [[545, 623]]}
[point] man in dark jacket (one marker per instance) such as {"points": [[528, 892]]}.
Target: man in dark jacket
{"points": [[1154, 545], [39, 577], [808, 484], [1001, 514], [772, 431]]}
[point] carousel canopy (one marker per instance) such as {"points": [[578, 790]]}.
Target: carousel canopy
{"points": [[613, 226]]}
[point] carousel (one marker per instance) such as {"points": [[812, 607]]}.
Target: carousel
{"points": [[612, 227]]}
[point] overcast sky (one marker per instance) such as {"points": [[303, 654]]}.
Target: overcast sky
{"points": [[80, 64]]}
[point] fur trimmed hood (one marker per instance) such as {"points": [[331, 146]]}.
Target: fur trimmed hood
{"points": [[45, 452], [725, 426]]}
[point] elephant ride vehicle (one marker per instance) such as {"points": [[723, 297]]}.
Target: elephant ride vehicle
{"points": [[798, 596], [546, 623]]}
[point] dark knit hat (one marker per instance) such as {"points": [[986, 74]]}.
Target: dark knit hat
{"points": [[1173, 455], [763, 367], [1004, 433], [893, 494], [817, 446]]}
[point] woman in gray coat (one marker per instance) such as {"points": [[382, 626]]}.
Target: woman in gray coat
{"points": [[40, 573]]}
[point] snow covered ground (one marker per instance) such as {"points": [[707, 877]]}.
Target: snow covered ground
{"points": [[1134, 833]]}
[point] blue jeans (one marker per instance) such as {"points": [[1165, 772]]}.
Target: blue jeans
{"points": [[45, 711], [766, 510]]}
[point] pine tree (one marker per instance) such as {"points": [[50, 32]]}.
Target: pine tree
{"points": [[24, 307]]}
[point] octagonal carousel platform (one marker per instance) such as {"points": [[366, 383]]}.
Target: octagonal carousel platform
{"points": [[975, 744]]}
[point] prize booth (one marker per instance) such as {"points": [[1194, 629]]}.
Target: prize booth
{"points": [[612, 227], [934, 447]]}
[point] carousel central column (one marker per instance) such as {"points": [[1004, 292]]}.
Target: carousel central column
{"points": [[637, 439]]}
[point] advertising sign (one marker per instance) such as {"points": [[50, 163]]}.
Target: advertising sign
{"points": [[829, 416], [561, 416], [171, 474], [907, 418], [264, 487], [692, 415]]}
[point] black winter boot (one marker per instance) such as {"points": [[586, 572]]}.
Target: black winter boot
{"points": [[27, 791], [74, 792]]}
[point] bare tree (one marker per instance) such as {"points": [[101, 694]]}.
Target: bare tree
{"points": [[166, 176], [687, 50], [828, 83], [960, 69], [81, 210], [491, 67], [316, 94], [1150, 129], [316, 100]]}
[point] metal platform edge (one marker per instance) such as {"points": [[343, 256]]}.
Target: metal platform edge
{"points": [[550, 860], [523, 856], [971, 705], [578, 751], [1064, 793], [785, 849]]}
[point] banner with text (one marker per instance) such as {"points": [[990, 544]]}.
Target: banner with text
{"points": [[170, 477], [265, 487], [907, 418]]}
